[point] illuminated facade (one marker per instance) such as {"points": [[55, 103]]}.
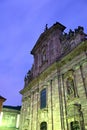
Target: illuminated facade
{"points": [[2, 99], [54, 96], [10, 117]]}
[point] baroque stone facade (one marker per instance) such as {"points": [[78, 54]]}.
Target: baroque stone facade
{"points": [[54, 96]]}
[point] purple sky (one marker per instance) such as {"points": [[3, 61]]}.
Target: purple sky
{"points": [[21, 23]]}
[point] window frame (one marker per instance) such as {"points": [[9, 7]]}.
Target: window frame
{"points": [[43, 98]]}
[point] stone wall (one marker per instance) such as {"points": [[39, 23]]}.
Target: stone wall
{"points": [[63, 74], [10, 117], [61, 108]]}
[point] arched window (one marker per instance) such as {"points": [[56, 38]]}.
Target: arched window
{"points": [[70, 86], [43, 126], [43, 98], [44, 54]]}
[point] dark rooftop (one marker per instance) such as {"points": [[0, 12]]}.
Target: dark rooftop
{"points": [[2, 98], [12, 107]]}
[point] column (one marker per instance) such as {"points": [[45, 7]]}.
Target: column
{"points": [[65, 103]]}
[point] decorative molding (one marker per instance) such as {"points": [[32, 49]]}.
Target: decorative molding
{"points": [[83, 79]]}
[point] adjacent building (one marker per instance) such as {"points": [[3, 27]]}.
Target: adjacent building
{"points": [[54, 96], [10, 117], [2, 100]]}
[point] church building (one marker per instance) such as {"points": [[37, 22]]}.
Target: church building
{"points": [[54, 96]]}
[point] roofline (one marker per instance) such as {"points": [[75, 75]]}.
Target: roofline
{"points": [[3, 98], [12, 107], [43, 36]]}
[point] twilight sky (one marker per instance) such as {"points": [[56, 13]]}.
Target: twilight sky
{"points": [[21, 23]]}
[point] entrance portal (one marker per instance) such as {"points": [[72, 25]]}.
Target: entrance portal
{"points": [[75, 125], [43, 126]]}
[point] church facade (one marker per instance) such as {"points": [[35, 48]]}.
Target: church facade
{"points": [[54, 96]]}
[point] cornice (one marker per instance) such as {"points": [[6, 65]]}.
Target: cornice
{"points": [[56, 65]]}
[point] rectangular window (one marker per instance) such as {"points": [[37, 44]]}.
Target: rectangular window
{"points": [[43, 98]]}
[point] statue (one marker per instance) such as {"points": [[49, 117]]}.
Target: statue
{"points": [[46, 27]]}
